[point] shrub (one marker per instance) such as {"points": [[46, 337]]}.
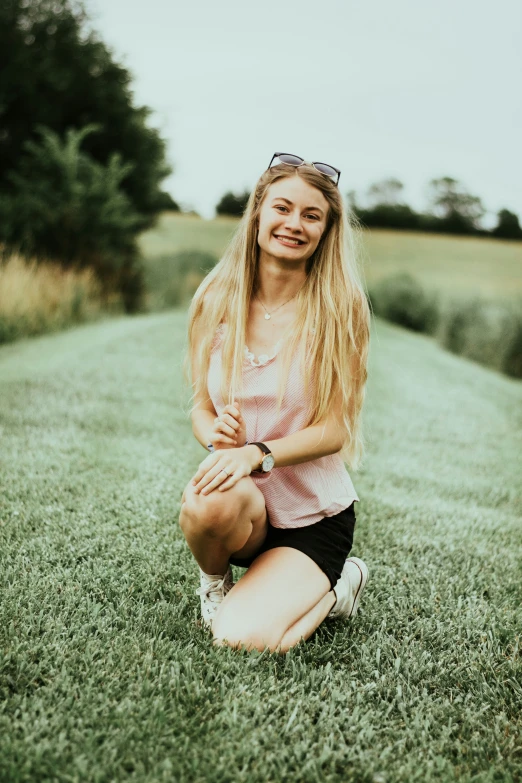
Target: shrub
{"points": [[402, 300], [486, 331], [512, 359]]}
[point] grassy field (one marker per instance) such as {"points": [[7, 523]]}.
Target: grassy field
{"points": [[464, 265], [105, 672]]}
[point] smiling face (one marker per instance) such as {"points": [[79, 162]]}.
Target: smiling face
{"points": [[292, 219]]}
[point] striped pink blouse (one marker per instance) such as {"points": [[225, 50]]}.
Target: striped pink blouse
{"points": [[295, 495]]}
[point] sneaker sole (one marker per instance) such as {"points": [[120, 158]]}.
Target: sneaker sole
{"points": [[363, 568]]}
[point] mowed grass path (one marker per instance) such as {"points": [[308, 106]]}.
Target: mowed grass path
{"points": [[105, 672], [447, 264]]}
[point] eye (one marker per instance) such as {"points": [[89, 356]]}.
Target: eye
{"points": [[315, 217]]}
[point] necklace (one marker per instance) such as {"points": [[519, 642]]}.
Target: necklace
{"points": [[269, 315]]}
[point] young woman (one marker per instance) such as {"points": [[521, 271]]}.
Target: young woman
{"points": [[278, 346]]}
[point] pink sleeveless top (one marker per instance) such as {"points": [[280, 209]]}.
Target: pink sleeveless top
{"points": [[295, 495]]}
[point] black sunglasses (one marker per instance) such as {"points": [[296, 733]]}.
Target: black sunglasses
{"points": [[295, 160]]}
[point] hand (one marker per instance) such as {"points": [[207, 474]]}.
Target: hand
{"points": [[211, 472], [229, 428]]}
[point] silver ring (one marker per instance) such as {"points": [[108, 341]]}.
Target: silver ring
{"points": [[224, 471]]}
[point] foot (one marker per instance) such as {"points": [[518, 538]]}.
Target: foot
{"points": [[213, 588], [349, 588]]}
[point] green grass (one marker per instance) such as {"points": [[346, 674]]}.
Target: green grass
{"points": [[464, 265], [175, 232], [105, 674]]}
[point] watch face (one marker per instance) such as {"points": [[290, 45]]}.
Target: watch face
{"points": [[268, 462]]}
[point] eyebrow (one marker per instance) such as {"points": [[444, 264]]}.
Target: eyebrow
{"points": [[282, 198]]}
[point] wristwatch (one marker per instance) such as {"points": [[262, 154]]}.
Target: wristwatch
{"points": [[267, 463]]}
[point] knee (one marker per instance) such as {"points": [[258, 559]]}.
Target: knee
{"points": [[238, 632], [211, 514]]}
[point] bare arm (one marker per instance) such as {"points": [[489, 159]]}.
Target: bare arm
{"points": [[313, 442], [317, 440]]}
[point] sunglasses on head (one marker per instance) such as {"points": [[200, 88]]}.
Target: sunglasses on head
{"points": [[295, 160]]}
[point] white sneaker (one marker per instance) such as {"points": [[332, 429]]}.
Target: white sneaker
{"points": [[213, 588], [349, 588]]}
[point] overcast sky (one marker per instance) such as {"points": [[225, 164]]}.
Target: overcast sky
{"points": [[408, 89]]}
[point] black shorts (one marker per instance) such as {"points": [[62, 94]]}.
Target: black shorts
{"points": [[328, 542]]}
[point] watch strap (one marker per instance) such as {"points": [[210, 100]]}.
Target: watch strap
{"points": [[264, 448]]}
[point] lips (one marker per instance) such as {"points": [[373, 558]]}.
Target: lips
{"points": [[291, 240]]}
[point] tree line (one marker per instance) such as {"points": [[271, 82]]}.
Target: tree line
{"points": [[451, 209]]}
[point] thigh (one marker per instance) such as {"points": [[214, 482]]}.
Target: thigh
{"points": [[280, 587]]}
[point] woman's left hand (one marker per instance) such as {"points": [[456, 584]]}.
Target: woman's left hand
{"points": [[236, 462]]}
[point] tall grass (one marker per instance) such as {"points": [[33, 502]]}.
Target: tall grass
{"points": [[44, 297]]}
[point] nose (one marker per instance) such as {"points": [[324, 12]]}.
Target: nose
{"points": [[293, 220]]}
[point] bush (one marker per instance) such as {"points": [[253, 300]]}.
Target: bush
{"points": [[172, 280], [402, 300], [486, 331], [512, 361]]}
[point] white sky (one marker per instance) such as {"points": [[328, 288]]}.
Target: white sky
{"points": [[408, 89]]}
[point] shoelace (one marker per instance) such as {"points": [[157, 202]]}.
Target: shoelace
{"points": [[211, 589]]}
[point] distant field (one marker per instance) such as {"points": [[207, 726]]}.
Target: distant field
{"points": [[445, 263], [187, 232]]}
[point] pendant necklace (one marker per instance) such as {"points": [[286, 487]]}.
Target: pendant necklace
{"points": [[269, 315]]}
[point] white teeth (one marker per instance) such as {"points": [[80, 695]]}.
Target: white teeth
{"points": [[293, 241]]}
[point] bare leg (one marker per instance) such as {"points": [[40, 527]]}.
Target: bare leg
{"points": [[304, 628], [282, 598], [220, 524]]}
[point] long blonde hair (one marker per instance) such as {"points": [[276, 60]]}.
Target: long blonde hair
{"points": [[333, 314]]}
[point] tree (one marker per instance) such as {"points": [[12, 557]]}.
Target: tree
{"points": [[386, 209], [55, 72], [65, 206], [387, 191], [460, 211], [508, 226], [232, 204], [167, 203]]}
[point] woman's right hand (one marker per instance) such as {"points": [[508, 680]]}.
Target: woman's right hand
{"points": [[229, 429]]}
